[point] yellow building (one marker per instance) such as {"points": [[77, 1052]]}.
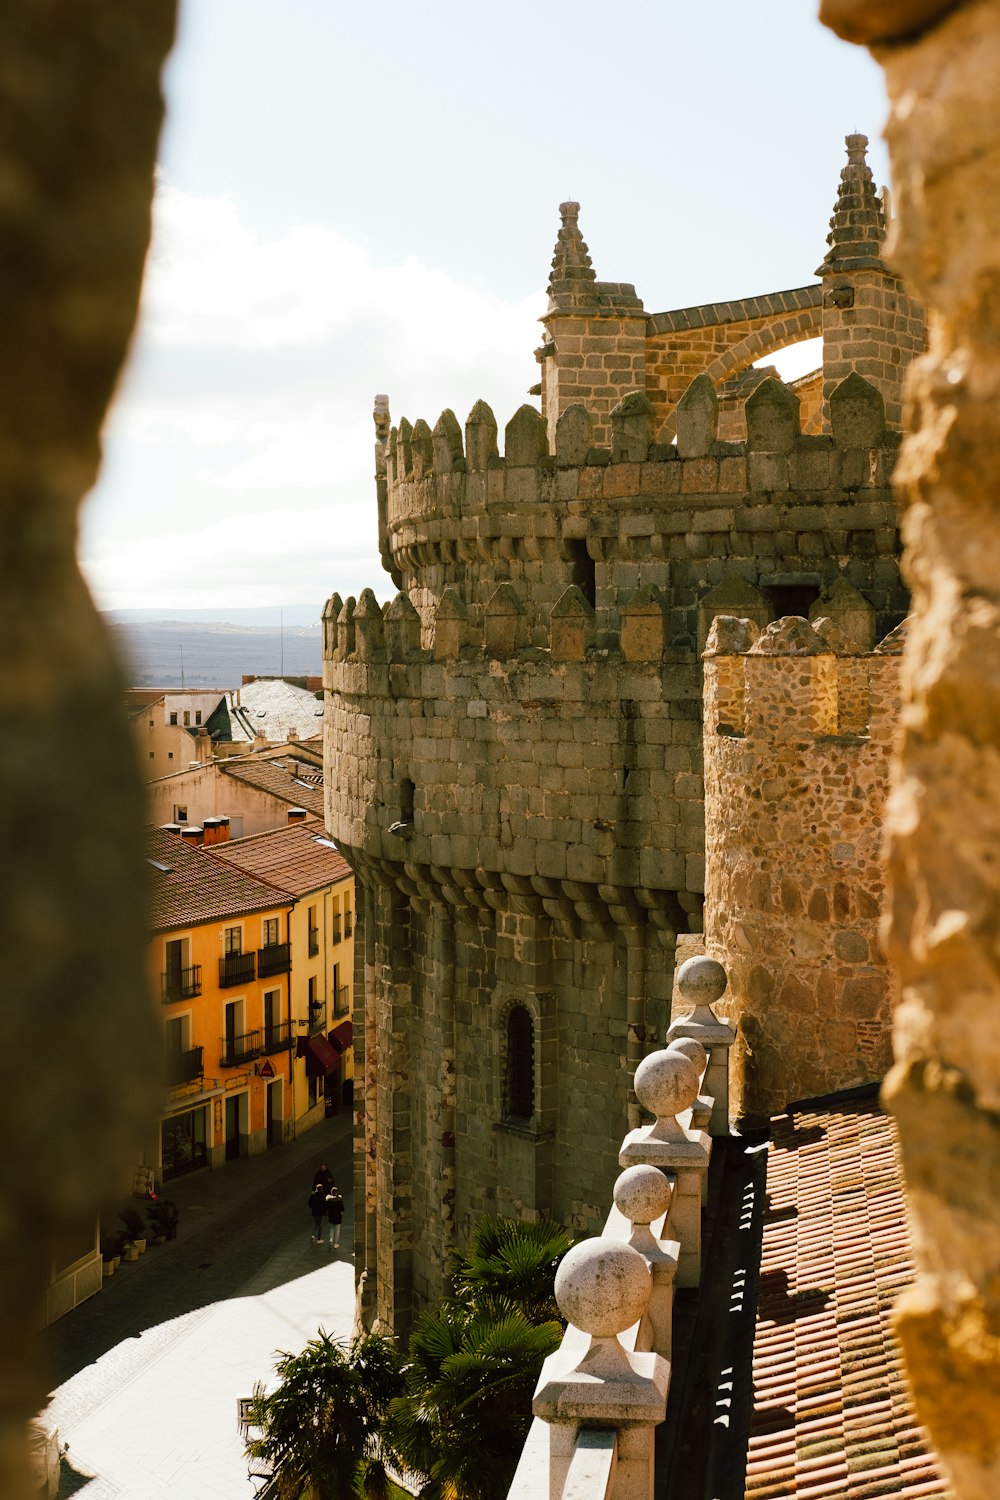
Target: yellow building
{"points": [[252, 956], [302, 860], [220, 957]]}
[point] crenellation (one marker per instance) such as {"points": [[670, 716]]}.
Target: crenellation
{"points": [[520, 765]]}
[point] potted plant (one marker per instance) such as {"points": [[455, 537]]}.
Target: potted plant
{"points": [[163, 1216], [109, 1254], [135, 1230]]}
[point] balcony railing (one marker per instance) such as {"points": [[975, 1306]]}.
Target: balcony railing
{"points": [[342, 1000], [348, 924], [276, 958], [313, 942], [236, 968], [336, 927], [184, 1067], [278, 1038], [180, 984], [237, 1050]]}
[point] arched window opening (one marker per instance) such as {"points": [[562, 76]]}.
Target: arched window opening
{"points": [[519, 1081]]}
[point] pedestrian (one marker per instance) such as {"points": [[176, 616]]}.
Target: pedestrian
{"points": [[323, 1177], [317, 1207], [335, 1214]]}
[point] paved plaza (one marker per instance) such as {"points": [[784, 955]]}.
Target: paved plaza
{"points": [[147, 1374]]}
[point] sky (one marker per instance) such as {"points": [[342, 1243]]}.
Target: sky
{"points": [[355, 199]]}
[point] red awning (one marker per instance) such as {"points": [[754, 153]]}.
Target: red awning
{"points": [[342, 1036], [320, 1057]]}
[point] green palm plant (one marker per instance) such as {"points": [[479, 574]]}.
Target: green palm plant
{"points": [[515, 1260], [319, 1428], [470, 1379]]}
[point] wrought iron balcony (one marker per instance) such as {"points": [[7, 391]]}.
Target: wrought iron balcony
{"points": [[237, 1050], [180, 984], [348, 923], [185, 1067], [278, 1038], [336, 927], [342, 1000], [236, 968], [276, 958], [313, 942]]}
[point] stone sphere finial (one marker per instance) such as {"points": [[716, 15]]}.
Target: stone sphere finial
{"points": [[602, 1287], [701, 981], [692, 1050], [642, 1194], [665, 1083]]}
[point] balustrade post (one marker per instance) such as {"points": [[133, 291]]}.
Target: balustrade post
{"points": [[666, 1083], [643, 1194], [602, 1288], [700, 982]]}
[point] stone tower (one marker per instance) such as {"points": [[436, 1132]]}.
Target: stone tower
{"points": [[514, 742]]}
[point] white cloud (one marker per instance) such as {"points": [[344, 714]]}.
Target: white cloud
{"points": [[247, 409]]}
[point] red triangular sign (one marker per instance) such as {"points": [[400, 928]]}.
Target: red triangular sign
{"points": [[267, 1069]]}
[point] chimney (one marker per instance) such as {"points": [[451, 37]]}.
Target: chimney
{"points": [[211, 826], [297, 814], [293, 734], [171, 827], [193, 834], [222, 836], [203, 747]]}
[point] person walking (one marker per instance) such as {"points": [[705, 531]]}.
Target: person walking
{"points": [[335, 1215], [323, 1177], [317, 1207]]}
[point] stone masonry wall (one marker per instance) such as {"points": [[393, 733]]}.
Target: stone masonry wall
{"points": [[797, 743], [516, 771]]}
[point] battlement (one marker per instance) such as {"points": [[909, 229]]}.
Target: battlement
{"points": [[797, 681]]}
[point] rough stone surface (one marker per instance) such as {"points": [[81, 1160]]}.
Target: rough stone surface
{"points": [[80, 112], [944, 815], [602, 1286], [551, 750]]}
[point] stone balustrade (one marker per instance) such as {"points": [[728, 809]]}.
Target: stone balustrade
{"points": [[602, 1394]]}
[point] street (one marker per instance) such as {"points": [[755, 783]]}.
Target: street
{"points": [[146, 1375]]}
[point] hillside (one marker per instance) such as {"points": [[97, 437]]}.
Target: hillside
{"points": [[158, 653]]}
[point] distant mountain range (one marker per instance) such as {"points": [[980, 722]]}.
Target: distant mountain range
{"points": [[186, 652]]}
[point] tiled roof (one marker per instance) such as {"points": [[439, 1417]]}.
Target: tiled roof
{"points": [[194, 887], [299, 858], [833, 1418], [279, 778]]}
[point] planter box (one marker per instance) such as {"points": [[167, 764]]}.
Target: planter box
{"points": [[107, 1268], [131, 1253], [140, 1245]]}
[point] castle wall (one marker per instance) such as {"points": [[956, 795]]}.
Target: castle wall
{"points": [[516, 773], [796, 775]]}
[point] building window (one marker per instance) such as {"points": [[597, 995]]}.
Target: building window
{"points": [[170, 755], [519, 1073], [152, 724], [197, 716], [180, 813], [151, 754], [271, 937], [313, 932], [232, 940], [173, 718], [187, 717], [348, 919]]}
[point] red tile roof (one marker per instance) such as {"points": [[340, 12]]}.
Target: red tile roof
{"points": [[187, 886], [833, 1418], [277, 779], [299, 858]]}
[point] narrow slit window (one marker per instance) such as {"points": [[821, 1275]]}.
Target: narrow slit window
{"points": [[519, 1100]]}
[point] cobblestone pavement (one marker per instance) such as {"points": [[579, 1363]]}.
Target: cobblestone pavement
{"points": [[146, 1375]]}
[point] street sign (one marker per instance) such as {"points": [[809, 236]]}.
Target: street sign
{"points": [[267, 1069]]}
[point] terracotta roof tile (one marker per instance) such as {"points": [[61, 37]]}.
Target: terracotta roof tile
{"points": [[299, 858], [832, 1412], [277, 778], [188, 886]]}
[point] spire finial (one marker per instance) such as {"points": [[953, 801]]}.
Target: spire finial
{"points": [[572, 279], [857, 227]]}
